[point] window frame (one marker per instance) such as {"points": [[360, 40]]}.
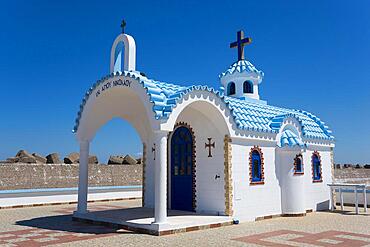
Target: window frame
{"points": [[250, 86], [297, 158], [228, 88], [252, 180], [314, 168]]}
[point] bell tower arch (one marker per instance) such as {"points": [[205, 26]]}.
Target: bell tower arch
{"points": [[123, 50]]}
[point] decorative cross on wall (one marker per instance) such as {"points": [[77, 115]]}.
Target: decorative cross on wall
{"points": [[153, 150], [210, 145], [240, 43]]}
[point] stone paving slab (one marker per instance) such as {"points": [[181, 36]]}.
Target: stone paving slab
{"points": [[53, 226], [282, 238]]}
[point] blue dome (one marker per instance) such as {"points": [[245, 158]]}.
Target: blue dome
{"points": [[241, 66]]}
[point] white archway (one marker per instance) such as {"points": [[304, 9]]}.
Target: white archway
{"points": [[127, 98], [118, 96], [209, 104], [209, 119]]}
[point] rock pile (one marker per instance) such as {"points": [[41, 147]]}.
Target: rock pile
{"points": [[53, 159], [73, 158], [24, 157], [115, 160], [123, 160], [93, 159], [40, 159]]}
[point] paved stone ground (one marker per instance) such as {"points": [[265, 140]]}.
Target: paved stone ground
{"points": [[52, 225]]}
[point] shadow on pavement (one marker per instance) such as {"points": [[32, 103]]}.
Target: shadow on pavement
{"points": [[65, 223]]}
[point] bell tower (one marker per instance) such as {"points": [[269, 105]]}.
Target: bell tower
{"points": [[241, 79], [123, 50]]}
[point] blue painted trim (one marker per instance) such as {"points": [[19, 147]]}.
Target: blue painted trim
{"points": [[247, 115], [68, 189]]}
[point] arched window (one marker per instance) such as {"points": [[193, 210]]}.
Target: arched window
{"points": [[247, 87], [231, 88], [316, 167], [298, 165], [256, 166], [119, 57]]}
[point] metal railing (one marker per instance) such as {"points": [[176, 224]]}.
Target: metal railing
{"points": [[355, 187]]}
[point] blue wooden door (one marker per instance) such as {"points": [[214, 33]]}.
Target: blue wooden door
{"points": [[181, 169]]}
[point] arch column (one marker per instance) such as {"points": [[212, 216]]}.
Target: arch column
{"points": [[160, 178], [83, 177]]}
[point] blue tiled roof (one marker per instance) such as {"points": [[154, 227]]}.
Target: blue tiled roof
{"points": [[247, 115], [241, 66], [289, 138]]}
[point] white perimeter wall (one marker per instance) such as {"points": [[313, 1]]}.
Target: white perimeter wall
{"points": [[251, 201], [317, 194]]}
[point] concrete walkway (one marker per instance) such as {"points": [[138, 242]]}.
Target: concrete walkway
{"points": [[22, 198], [53, 226], [140, 220]]}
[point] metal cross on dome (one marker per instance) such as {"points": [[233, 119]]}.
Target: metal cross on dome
{"points": [[240, 43]]}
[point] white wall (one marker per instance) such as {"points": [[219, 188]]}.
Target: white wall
{"points": [[251, 201], [292, 185], [317, 194]]}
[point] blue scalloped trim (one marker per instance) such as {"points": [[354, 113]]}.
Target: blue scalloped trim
{"points": [[247, 115]]}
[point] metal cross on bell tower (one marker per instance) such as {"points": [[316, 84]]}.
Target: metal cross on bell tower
{"points": [[240, 43], [123, 25]]}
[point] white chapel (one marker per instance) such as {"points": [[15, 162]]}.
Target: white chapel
{"points": [[212, 151]]}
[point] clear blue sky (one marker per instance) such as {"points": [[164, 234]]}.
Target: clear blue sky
{"points": [[315, 55]]}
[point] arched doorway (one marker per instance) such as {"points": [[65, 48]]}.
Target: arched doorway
{"points": [[209, 126], [182, 168]]}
